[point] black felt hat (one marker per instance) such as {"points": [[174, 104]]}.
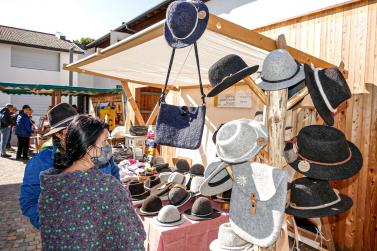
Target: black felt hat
{"points": [[182, 166], [138, 191], [179, 196], [328, 89], [201, 210], [150, 207], [197, 169], [152, 181], [324, 153], [164, 167], [59, 117], [312, 198], [227, 72]]}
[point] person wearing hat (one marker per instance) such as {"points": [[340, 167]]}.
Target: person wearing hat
{"points": [[6, 123], [59, 118]]}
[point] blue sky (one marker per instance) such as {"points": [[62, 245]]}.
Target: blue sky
{"points": [[73, 18]]}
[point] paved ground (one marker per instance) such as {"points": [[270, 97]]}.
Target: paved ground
{"points": [[16, 233]]}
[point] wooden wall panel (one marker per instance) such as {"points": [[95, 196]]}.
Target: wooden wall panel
{"points": [[349, 34]]}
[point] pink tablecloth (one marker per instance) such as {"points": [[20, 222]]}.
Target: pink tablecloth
{"points": [[191, 235]]}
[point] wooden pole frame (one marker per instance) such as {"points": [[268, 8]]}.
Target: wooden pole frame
{"points": [[131, 99]]}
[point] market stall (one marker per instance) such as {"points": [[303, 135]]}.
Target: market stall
{"points": [[141, 59]]}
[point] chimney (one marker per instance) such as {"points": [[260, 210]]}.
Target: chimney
{"points": [[60, 35]]}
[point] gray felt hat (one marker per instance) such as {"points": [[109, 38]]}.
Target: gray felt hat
{"points": [[217, 179], [258, 202], [228, 240], [239, 140], [280, 70], [196, 182], [169, 216]]}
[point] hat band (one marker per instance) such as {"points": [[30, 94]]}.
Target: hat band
{"points": [[192, 31], [293, 205], [142, 211], [323, 94], [171, 222], [296, 149], [285, 79], [201, 215], [62, 122]]}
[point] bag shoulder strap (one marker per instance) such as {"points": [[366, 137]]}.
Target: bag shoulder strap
{"points": [[163, 93]]}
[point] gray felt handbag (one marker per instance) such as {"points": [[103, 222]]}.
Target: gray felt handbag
{"points": [[181, 126], [258, 202]]}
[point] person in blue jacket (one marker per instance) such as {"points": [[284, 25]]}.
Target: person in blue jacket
{"points": [[59, 118], [24, 129]]}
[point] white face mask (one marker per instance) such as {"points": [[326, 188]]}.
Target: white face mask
{"points": [[104, 157]]}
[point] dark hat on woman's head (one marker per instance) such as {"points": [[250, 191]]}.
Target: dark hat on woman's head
{"points": [[328, 89], [315, 198], [228, 71], [59, 117], [186, 21], [323, 152]]}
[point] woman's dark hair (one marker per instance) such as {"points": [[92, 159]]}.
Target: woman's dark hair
{"points": [[82, 133]]}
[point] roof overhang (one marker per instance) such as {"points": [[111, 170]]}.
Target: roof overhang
{"points": [[143, 57]]}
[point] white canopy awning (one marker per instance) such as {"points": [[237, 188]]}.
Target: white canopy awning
{"points": [[144, 57]]}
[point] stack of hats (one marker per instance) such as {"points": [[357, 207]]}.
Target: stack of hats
{"points": [[321, 153], [258, 191]]}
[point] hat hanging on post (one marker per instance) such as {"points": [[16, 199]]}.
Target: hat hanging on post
{"points": [[228, 71], [59, 117], [312, 198], [186, 21], [280, 70], [328, 89], [201, 210], [323, 152], [239, 140]]}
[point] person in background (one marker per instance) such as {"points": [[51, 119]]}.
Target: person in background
{"points": [[24, 129], [14, 118], [6, 123], [59, 118], [76, 210]]}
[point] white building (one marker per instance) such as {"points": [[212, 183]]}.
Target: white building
{"points": [[31, 57]]}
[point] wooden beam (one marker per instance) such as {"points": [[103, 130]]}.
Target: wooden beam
{"points": [[255, 88], [154, 113], [234, 31], [52, 98], [133, 103], [297, 97], [59, 97]]}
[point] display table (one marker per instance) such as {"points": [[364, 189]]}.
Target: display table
{"points": [[191, 235]]}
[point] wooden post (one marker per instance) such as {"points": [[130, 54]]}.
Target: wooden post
{"points": [[255, 88], [59, 97], [52, 98], [154, 113], [133, 103]]}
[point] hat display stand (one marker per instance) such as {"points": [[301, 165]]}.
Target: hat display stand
{"points": [[276, 116]]}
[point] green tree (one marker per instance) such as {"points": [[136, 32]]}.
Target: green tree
{"points": [[83, 41]]}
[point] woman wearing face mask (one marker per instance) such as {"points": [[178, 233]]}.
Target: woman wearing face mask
{"points": [[80, 207]]}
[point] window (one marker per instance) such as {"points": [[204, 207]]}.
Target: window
{"points": [[38, 59]]}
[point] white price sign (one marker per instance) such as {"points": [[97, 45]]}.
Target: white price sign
{"points": [[233, 100]]}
